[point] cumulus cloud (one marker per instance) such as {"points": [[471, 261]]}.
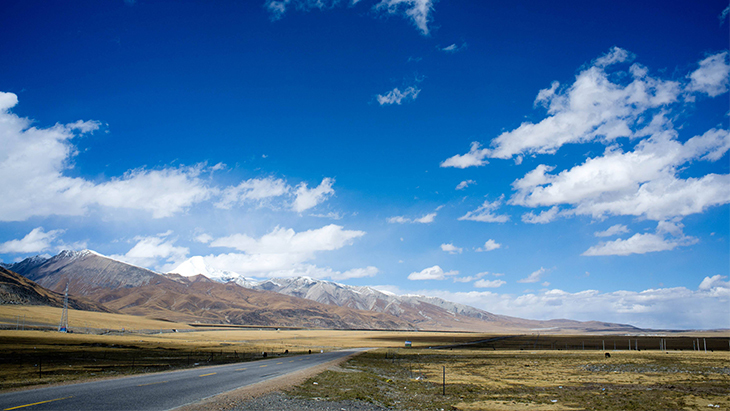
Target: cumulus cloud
{"points": [[597, 106], [534, 277], [307, 198], [451, 249], [36, 241], [485, 213], [464, 184], [474, 158], [157, 252], [612, 231], [711, 77], [204, 238], [662, 308], [668, 236], [431, 273], [543, 218], [396, 96], [286, 253], [35, 161], [489, 283], [490, 245], [714, 282], [287, 241], [643, 182], [425, 219]]}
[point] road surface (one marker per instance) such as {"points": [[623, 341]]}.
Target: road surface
{"points": [[161, 391]]}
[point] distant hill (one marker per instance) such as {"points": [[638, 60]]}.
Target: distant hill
{"points": [[423, 312], [229, 298], [16, 289], [138, 291]]}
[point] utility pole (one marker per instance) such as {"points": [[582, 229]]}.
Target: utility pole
{"points": [[63, 326]]}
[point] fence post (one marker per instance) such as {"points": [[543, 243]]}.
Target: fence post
{"points": [[444, 383]]}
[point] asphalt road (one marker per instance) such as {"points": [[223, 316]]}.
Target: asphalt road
{"points": [[161, 391]]}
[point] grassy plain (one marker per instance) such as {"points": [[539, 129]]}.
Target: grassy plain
{"points": [[499, 372], [538, 380]]}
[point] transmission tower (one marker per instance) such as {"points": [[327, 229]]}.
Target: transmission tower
{"points": [[63, 326]]}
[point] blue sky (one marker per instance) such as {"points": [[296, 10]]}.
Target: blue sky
{"points": [[535, 159]]}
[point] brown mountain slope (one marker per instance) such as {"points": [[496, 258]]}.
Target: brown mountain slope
{"points": [[138, 291], [198, 299], [16, 289]]}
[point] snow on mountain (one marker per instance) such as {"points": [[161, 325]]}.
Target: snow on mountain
{"points": [[196, 265], [412, 307]]}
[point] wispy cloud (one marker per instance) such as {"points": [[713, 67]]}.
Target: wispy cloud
{"points": [[668, 236], [396, 96], [464, 184], [485, 213], [425, 219], [612, 231], [536, 276]]}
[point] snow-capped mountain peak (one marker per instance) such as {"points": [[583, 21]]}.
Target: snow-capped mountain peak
{"points": [[197, 265]]}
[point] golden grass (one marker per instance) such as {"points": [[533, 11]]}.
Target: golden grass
{"points": [[507, 380], [79, 319]]}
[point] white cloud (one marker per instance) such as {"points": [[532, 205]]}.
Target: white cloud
{"points": [[474, 158], [593, 107], [489, 283], [286, 253], [204, 238], [431, 273], [331, 215], [534, 277], [355, 273], [464, 184], [612, 231], [543, 218], [716, 281], [425, 219], [711, 77], [490, 245], [36, 241], [485, 213], [723, 15], [34, 164], [254, 189], [453, 48], [307, 198], [662, 308], [451, 249], [34, 161], [669, 236], [156, 252], [287, 241], [396, 96], [643, 182], [416, 10]]}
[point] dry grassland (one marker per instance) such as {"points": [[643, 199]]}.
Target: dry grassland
{"points": [[539, 380], [35, 314]]}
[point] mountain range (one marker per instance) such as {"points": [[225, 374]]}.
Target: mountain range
{"points": [[194, 292]]}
